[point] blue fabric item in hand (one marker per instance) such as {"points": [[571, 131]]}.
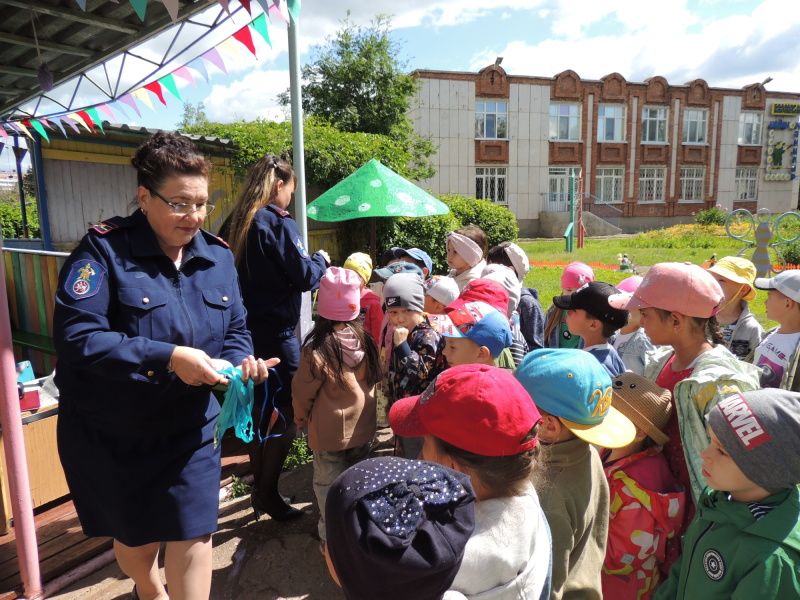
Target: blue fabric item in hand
{"points": [[237, 410]]}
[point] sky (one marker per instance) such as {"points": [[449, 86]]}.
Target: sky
{"points": [[729, 43]]}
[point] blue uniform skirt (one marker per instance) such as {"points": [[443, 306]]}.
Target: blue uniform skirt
{"points": [[144, 488]]}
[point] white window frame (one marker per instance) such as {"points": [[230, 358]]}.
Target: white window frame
{"points": [[493, 182], [573, 121], [750, 129], [558, 186], [746, 183], [652, 179], [651, 123], [609, 183], [692, 184], [490, 118], [695, 126], [616, 119]]}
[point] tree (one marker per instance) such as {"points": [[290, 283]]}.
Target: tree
{"points": [[29, 184], [193, 116], [357, 83]]}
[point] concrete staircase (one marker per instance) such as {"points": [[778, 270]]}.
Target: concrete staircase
{"points": [[553, 225]]}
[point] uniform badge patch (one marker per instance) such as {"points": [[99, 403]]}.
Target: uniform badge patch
{"points": [[713, 565], [104, 227], [301, 248], [84, 279]]}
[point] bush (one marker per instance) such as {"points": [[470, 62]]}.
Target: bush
{"points": [[713, 216], [428, 233], [11, 220], [790, 252]]}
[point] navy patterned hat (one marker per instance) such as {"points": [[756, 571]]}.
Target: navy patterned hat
{"points": [[397, 527]]}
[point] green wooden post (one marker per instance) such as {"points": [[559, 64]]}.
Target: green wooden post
{"points": [[569, 234]]}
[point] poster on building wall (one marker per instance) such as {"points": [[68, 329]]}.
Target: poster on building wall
{"points": [[782, 139]]}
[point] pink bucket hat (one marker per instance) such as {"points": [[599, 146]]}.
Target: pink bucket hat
{"points": [[339, 294], [576, 274], [676, 287]]}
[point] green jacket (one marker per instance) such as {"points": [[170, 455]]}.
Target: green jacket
{"points": [[729, 554], [717, 374]]}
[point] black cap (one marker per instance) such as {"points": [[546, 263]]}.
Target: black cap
{"points": [[593, 298]]}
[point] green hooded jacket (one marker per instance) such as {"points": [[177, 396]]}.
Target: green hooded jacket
{"points": [[728, 554]]}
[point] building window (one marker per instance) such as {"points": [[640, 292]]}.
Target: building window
{"points": [[490, 184], [651, 184], [749, 128], [746, 183], [694, 126], [654, 124], [558, 196], [692, 184], [610, 123], [609, 185], [491, 120], [565, 122]]}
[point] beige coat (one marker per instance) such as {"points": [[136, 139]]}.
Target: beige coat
{"points": [[337, 418]]}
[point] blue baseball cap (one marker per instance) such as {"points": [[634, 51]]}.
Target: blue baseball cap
{"points": [[398, 267], [573, 386], [478, 321], [418, 254]]}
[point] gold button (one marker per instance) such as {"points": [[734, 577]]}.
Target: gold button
{"points": [[145, 300], [224, 298], [151, 373]]}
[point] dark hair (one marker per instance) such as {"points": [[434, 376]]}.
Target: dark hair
{"points": [[498, 256], [608, 328], [164, 155], [502, 476], [324, 345], [258, 190], [709, 326], [477, 235]]}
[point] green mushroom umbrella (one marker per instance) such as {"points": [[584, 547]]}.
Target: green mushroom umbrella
{"points": [[373, 191]]}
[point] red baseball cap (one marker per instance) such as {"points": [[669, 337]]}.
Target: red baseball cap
{"points": [[482, 290], [478, 408]]}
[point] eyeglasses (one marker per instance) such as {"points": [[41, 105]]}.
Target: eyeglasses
{"points": [[185, 209]]}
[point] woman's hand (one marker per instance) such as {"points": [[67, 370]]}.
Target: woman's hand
{"points": [[194, 367], [257, 369]]}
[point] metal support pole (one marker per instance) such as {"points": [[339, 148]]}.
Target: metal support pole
{"points": [[571, 236], [21, 192], [14, 445], [41, 194], [298, 146]]}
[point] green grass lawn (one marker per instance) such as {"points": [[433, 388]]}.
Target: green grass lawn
{"points": [[548, 279]]}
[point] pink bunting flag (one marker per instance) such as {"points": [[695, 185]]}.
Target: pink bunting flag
{"points": [[213, 56], [277, 10], [3, 131], [244, 37], [157, 89], [185, 74], [107, 109], [130, 101], [224, 4], [172, 9]]}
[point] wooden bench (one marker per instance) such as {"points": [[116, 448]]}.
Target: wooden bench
{"points": [[31, 278]]}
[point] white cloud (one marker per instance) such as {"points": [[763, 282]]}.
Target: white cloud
{"points": [[252, 96]]}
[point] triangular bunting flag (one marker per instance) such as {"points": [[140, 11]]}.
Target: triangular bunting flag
{"points": [[246, 39], [2, 145], [260, 25], [155, 87], [246, 4], [140, 6], [70, 122], [224, 4], [38, 127], [20, 153], [168, 81], [265, 4], [172, 9], [231, 47], [60, 126], [107, 109], [81, 117], [294, 9], [215, 59], [3, 131], [23, 129], [95, 116], [128, 99], [141, 94], [277, 10], [199, 66], [184, 74], [82, 4]]}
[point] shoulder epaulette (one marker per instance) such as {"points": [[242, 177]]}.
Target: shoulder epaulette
{"points": [[214, 239], [280, 212], [111, 224]]}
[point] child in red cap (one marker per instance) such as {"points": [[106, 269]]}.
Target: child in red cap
{"points": [[333, 391], [479, 420]]}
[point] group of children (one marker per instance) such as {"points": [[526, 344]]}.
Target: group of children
{"points": [[557, 456]]}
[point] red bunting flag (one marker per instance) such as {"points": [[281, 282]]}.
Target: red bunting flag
{"points": [[245, 37], [156, 88]]}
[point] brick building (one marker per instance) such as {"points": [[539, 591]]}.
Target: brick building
{"points": [[648, 153]]}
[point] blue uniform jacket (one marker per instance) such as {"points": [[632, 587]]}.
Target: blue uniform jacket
{"points": [[121, 308], [275, 270]]}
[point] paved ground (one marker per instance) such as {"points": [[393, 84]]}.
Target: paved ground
{"points": [[263, 560]]}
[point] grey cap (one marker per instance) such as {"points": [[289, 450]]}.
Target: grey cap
{"points": [[760, 430], [404, 290], [786, 282]]}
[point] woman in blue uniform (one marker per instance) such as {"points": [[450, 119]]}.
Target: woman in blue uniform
{"points": [[274, 269], [147, 309]]}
